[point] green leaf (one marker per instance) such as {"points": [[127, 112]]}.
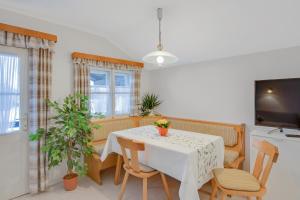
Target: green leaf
{"points": [[37, 135]]}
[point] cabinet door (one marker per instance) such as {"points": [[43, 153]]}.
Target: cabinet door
{"points": [[284, 180]]}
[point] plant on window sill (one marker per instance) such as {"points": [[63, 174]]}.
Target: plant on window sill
{"points": [[149, 103], [69, 138]]}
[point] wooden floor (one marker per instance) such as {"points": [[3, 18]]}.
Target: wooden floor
{"points": [[88, 190]]}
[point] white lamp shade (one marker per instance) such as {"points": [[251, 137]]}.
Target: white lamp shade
{"points": [[160, 58]]}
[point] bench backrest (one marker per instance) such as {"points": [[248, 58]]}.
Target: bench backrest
{"points": [[228, 133], [111, 125]]}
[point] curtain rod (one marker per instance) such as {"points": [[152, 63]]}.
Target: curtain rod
{"points": [[106, 59], [27, 32]]}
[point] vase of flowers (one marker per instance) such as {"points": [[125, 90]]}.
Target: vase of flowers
{"points": [[162, 126]]}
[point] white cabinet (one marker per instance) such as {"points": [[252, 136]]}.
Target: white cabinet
{"points": [[284, 180]]}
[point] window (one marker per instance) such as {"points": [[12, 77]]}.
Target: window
{"points": [[110, 92], [101, 95], [9, 93], [122, 93]]}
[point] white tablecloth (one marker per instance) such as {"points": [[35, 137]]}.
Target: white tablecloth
{"points": [[186, 156]]}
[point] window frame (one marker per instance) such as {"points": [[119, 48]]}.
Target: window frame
{"points": [[112, 90], [93, 69]]}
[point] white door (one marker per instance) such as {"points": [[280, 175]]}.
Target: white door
{"points": [[13, 116]]}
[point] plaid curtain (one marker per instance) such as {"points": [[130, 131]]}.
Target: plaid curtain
{"points": [[82, 78], [23, 41], [40, 89], [135, 98], [40, 71]]}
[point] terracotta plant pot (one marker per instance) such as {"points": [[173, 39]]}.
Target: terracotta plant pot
{"points": [[162, 131], [70, 181]]}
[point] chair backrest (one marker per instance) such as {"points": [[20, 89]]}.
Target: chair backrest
{"points": [[133, 147], [262, 169]]}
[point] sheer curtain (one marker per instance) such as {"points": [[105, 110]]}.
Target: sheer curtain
{"points": [[9, 92]]}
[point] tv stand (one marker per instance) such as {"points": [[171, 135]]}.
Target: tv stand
{"points": [[284, 179]]}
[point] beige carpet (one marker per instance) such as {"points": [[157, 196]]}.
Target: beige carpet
{"points": [[89, 190]]}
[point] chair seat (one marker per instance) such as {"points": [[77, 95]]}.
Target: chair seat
{"points": [[145, 168], [230, 156], [235, 179]]}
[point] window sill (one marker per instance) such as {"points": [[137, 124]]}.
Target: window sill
{"points": [[93, 120]]}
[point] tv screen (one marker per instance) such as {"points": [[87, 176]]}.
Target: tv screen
{"points": [[277, 103]]}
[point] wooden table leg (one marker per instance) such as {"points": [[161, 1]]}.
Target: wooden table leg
{"points": [[118, 169]]}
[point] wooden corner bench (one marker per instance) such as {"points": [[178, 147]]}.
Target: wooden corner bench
{"points": [[233, 136]]}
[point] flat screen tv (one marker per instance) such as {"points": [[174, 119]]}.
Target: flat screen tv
{"points": [[277, 103]]}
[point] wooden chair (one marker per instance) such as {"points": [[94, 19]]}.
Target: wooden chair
{"points": [[241, 183], [133, 167]]}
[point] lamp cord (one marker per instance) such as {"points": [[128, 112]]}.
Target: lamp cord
{"points": [[159, 16]]}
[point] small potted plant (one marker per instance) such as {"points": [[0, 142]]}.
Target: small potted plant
{"points": [[69, 138], [162, 126], [149, 103]]}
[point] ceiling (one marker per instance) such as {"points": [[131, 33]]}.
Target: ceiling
{"points": [[193, 30]]}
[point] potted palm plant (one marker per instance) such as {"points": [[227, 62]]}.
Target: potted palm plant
{"points": [[69, 138], [148, 105]]}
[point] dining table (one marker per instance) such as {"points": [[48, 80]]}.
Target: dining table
{"points": [[186, 156]]}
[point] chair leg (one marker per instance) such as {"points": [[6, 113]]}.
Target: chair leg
{"points": [[166, 187], [259, 198], [123, 187], [214, 189], [145, 189], [118, 169]]}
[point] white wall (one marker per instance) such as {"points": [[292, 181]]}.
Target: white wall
{"points": [[221, 90], [69, 40]]}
